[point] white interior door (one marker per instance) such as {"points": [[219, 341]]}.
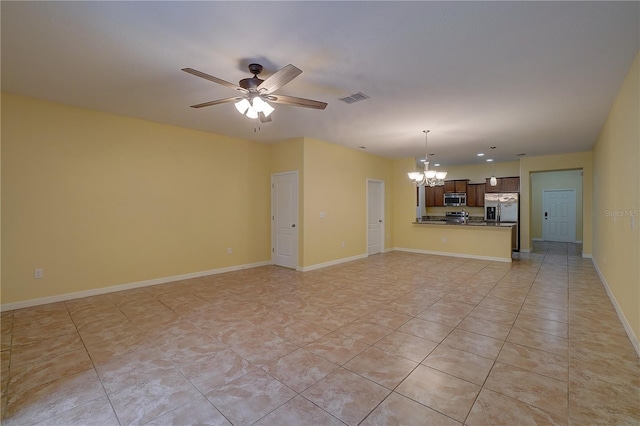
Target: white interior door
{"points": [[559, 215], [375, 216], [284, 219]]}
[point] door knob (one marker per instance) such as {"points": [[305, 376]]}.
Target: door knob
{"points": [[293, 226], [380, 220]]}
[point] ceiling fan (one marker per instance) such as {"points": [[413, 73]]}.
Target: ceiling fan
{"points": [[255, 93]]}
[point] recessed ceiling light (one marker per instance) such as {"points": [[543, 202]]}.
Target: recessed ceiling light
{"points": [[437, 164], [423, 161], [489, 159], [480, 154]]}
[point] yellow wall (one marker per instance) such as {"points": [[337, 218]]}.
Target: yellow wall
{"points": [[616, 201], [570, 179], [576, 160], [98, 200], [335, 183], [477, 173]]}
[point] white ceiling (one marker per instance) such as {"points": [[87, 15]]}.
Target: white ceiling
{"points": [[527, 77]]}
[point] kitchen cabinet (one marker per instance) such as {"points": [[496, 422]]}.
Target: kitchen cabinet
{"points": [[461, 185], [505, 184], [434, 196], [511, 184], [475, 194], [458, 185]]}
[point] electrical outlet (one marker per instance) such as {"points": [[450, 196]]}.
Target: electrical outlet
{"points": [[38, 273], [444, 239], [229, 251], [342, 244]]}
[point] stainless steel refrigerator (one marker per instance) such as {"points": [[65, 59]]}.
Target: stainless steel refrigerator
{"points": [[504, 207]]}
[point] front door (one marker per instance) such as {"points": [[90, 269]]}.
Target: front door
{"points": [[284, 219], [559, 215], [375, 216]]}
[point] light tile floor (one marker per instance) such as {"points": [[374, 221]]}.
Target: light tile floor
{"points": [[397, 338]]}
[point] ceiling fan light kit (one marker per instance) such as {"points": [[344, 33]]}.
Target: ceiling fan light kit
{"points": [[428, 177], [256, 92]]}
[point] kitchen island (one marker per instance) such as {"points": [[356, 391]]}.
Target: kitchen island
{"points": [[476, 240]]}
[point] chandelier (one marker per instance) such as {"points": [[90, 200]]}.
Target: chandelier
{"points": [[428, 177]]}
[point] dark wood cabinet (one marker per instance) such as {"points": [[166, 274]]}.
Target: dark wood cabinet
{"points": [[461, 185], [458, 185], [511, 184], [434, 196], [475, 194], [505, 184]]}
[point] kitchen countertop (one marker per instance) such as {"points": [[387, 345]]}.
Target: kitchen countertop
{"points": [[468, 224]]}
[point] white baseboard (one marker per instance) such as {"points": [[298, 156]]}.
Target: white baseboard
{"points": [[330, 263], [578, 241], [623, 319], [444, 253], [587, 255], [128, 286]]}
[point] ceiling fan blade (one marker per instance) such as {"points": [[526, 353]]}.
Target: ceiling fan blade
{"points": [[292, 100], [214, 79], [279, 79], [263, 118], [219, 101]]}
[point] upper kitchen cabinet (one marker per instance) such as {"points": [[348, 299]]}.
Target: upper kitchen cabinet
{"points": [[434, 196], [505, 184], [459, 185], [475, 194], [511, 184]]}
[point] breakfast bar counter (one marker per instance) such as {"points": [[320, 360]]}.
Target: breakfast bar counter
{"points": [[477, 240]]}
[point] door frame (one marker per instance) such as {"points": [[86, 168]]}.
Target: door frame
{"points": [[297, 213], [575, 213], [382, 226]]}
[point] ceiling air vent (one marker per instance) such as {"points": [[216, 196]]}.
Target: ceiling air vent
{"points": [[354, 98]]}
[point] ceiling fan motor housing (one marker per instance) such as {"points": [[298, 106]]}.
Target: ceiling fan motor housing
{"points": [[250, 83], [253, 82]]}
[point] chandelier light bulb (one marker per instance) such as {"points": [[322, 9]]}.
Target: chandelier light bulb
{"points": [[441, 175], [415, 176]]}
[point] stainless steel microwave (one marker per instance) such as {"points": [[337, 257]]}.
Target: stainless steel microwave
{"points": [[455, 199]]}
